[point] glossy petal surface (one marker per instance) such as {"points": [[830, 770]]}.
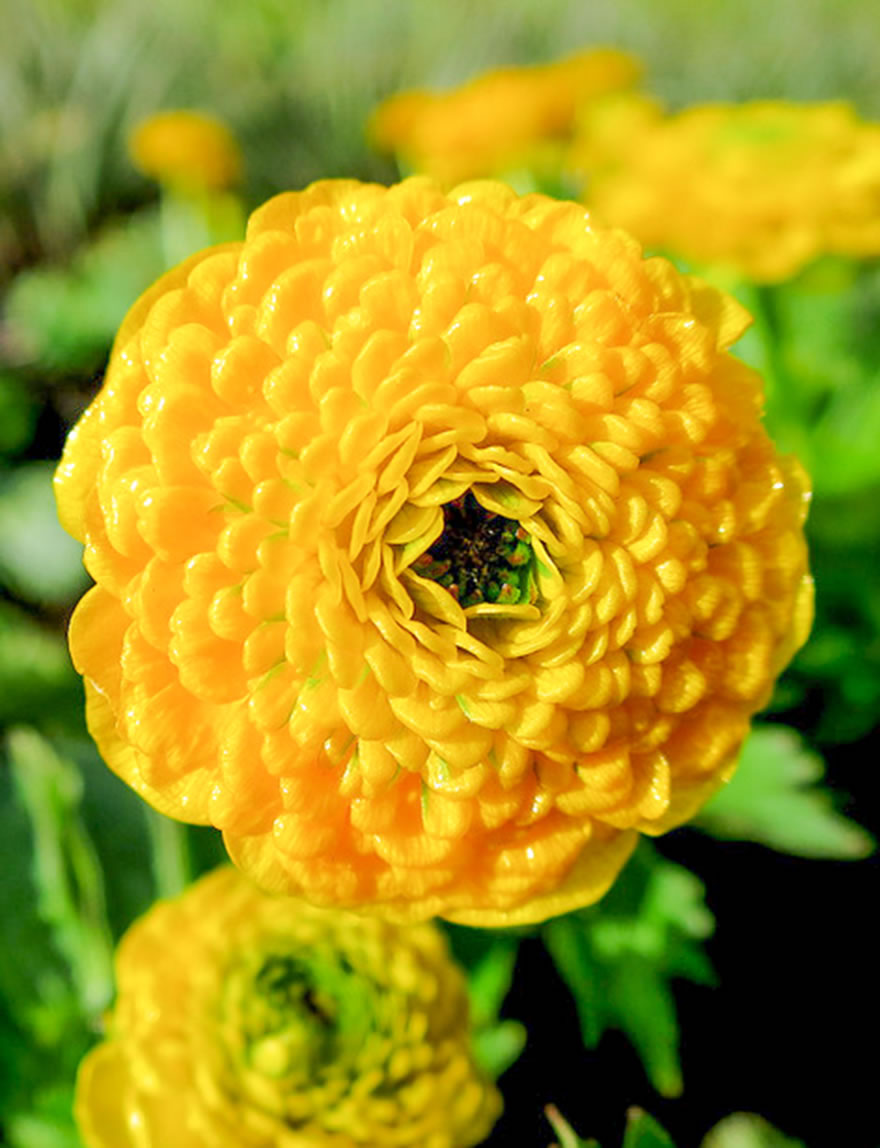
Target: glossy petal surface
{"points": [[266, 468]]}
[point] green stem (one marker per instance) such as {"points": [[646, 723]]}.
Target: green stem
{"points": [[784, 411], [170, 857], [763, 304]]}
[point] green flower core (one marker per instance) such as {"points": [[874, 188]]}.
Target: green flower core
{"points": [[296, 1013], [480, 556]]}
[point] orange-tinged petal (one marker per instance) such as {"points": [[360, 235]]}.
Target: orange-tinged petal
{"points": [[439, 548]]}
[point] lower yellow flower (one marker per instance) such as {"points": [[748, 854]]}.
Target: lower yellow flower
{"points": [[439, 549], [760, 188], [187, 149], [252, 1022], [499, 121]]}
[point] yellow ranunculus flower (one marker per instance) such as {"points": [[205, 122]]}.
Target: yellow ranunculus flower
{"points": [[187, 149], [759, 188], [439, 549], [499, 121], [253, 1022]]}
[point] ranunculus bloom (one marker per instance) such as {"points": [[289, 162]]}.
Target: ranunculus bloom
{"points": [[249, 1022], [187, 149], [501, 120], [759, 188], [439, 549]]}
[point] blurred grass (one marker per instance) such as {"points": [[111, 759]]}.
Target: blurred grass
{"points": [[296, 81]]}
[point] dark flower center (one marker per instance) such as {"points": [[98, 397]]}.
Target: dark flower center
{"points": [[480, 556]]}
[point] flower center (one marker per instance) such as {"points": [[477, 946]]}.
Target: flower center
{"points": [[480, 556], [293, 1013]]}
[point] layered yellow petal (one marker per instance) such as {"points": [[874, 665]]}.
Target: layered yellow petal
{"points": [[242, 1020], [439, 548]]}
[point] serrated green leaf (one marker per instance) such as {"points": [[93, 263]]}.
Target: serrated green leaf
{"points": [[643, 1131], [568, 943], [618, 959], [641, 998], [775, 798], [746, 1130], [38, 561]]}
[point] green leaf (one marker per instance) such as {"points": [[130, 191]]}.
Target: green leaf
{"points": [[38, 561], [619, 958], [643, 1131], [746, 1130], [641, 996], [67, 873], [774, 798], [489, 958], [116, 820], [48, 1010], [489, 980], [38, 1006]]}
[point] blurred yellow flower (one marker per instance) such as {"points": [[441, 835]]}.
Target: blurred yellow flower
{"points": [[439, 549], [253, 1022], [502, 120], [186, 149], [760, 188]]}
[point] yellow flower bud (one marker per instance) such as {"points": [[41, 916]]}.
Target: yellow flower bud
{"points": [[501, 120], [186, 149]]}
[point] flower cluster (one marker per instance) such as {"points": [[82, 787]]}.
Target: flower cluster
{"points": [[759, 188], [439, 549], [246, 1021], [500, 121], [187, 149]]}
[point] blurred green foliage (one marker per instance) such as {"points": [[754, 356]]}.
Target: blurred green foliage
{"points": [[82, 234]]}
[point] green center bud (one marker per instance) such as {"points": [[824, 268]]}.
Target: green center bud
{"points": [[480, 556], [295, 1012]]}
